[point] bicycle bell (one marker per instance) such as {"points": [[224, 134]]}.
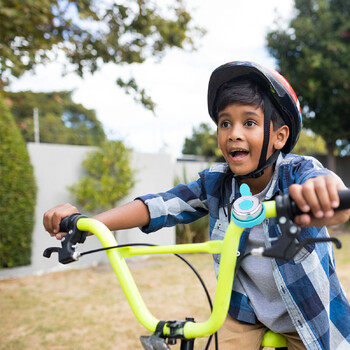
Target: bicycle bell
{"points": [[247, 211]]}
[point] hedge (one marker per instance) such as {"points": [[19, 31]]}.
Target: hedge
{"points": [[17, 193]]}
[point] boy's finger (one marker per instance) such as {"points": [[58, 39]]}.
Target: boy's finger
{"points": [[310, 196], [322, 192], [295, 191], [303, 220], [60, 235], [47, 222], [333, 188], [56, 220]]}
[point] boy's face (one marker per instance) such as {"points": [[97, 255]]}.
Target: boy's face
{"points": [[240, 135]]}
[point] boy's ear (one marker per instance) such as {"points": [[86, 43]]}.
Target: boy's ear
{"points": [[281, 138]]}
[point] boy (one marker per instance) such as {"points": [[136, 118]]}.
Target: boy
{"points": [[258, 123]]}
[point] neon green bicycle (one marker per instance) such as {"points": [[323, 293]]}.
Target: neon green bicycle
{"points": [[247, 211]]}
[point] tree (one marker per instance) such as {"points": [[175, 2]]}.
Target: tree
{"points": [[90, 33], [203, 143], [17, 194], [61, 120], [108, 178], [310, 144], [313, 53]]}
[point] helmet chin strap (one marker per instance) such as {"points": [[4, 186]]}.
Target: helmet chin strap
{"points": [[263, 163]]}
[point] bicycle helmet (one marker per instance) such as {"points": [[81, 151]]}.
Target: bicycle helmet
{"points": [[278, 92]]}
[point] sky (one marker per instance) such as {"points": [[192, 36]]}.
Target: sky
{"points": [[236, 30]]}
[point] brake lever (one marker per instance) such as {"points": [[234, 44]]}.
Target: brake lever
{"points": [[287, 247], [153, 342], [67, 253]]}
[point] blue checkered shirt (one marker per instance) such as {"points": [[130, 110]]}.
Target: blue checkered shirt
{"points": [[308, 284]]}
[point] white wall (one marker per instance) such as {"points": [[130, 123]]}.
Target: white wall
{"points": [[58, 166]]}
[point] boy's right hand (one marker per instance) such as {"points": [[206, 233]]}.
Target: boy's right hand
{"points": [[53, 217]]}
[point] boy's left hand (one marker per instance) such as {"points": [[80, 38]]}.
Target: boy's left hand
{"points": [[319, 195]]}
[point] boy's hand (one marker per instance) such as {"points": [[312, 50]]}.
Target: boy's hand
{"points": [[319, 196], [53, 217]]}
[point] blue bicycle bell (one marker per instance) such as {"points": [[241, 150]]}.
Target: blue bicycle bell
{"points": [[247, 211]]}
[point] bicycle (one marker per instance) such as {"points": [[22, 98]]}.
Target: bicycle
{"points": [[247, 211]]}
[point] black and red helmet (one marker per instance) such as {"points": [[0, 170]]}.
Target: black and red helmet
{"points": [[273, 84]]}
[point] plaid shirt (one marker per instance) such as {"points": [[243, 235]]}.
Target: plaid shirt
{"points": [[308, 284]]}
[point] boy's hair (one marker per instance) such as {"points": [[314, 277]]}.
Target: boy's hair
{"points": [[246, 92]]}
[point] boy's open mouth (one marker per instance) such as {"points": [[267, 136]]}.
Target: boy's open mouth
{"points": [[239, 154]]}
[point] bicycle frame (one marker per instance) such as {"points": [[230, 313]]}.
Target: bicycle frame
{"points": [[227, 248], [247, 211]]}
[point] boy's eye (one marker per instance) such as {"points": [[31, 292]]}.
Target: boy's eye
{"points": [[250, 123], [224, 124]]}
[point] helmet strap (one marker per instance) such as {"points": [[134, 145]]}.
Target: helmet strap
{"points": [[267, 122]]}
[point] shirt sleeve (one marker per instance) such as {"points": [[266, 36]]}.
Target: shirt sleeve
{"points": [[298, 169], [310, 168], [182, 204]]}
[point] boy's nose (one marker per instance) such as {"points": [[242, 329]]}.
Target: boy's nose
{"points": [[236, 133]]}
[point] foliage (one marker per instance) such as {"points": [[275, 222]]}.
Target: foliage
{"points": [[108, 178], [310, 144], [313, 53], [194, 232], [203, 142], [17, 194], [90, 33], [60, 119]]}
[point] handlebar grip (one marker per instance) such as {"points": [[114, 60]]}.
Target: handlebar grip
{"points": [[69, 224], [65, 223], [66, 254], [285, 205], [344, 199]]}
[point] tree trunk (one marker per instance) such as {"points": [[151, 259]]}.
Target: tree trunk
{"points": [[331, 160]]}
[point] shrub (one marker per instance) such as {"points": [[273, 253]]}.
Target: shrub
{"points": [[108, 178], [195, 232], [17, 194]]}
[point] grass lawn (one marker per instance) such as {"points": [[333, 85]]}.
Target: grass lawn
{"points": [[86, 309]]}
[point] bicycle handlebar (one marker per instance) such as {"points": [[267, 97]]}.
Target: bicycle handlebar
{"points": [[286, 206], [77, 226]]}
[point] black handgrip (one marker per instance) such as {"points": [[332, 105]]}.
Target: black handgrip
{"points": [[285, 205], [66, 254], [69, 223], [344, 200]]}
